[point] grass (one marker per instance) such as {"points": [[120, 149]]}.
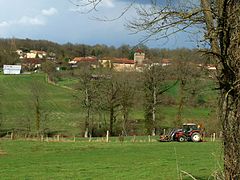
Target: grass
{"points": [[17, 103], [95, 160], [64, 114]]}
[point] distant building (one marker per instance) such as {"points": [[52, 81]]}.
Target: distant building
{"points": [[20, 53], [78, 60], [118, 64], [166, 62], [30, 64], [36, 54], [12, 69], [139, 57], [123, 64]]}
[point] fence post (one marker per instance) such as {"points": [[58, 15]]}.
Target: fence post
{"points": [[214, 137], [86, 133], [42, 138], [74, 139], [107, 136], [134, 138], [58, 138], [12, 136], [149, 138], [90, 138]]}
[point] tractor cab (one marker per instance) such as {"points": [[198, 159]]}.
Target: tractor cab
{"points": [[188, 127]]}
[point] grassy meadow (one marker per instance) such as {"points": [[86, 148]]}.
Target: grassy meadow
{"points": [[21, 159], [113, 160], [62, 111]]}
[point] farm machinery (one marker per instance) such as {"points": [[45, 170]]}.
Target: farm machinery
{"points": [[188, 132]]}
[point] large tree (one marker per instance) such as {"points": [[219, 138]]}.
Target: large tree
{"points": [[155, 84], [219, 21], [87, 93]]}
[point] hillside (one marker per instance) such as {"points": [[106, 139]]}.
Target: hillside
{"points": [[60, 112], [18, 109]]}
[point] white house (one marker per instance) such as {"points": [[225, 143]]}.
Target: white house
{"points": [[11, 69]]}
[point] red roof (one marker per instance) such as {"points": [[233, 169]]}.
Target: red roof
{"points": [[166, 61], [85, 59], [32, 60], [122, 61], [139, 51]]}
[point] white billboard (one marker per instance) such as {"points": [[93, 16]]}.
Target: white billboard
{"points": [[11, 69]]}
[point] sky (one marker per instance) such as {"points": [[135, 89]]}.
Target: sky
{"points": [[61, 21]]}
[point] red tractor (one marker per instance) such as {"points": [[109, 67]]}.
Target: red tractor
{"points": [[189, 132]]}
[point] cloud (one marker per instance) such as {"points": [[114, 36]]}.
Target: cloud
{"points": [[25, 20], [85, 6], [49, 12], [108, 3], [4, 24]]}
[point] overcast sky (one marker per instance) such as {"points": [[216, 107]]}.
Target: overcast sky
{"points": [[60, 21]]}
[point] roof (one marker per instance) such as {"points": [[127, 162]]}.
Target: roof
{"points": [[39, 52], [189, 124], [32, 60], [122, 61], [85, 59], [139, 51], [166, 61]]}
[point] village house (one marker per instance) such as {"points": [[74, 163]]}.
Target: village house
{"points": [[77, 60], [31, 64], [118, 64], [20, 53], [166, 62], [36, 54], [31, 54]]}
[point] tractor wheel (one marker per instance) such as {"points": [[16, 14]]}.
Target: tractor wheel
{"points": [[182, 138], [196, 137]]}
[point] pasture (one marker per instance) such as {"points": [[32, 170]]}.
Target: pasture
{"points": [[113, 160], [63, 112]]}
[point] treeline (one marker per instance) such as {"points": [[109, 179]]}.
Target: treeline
{"points": [[69, 50], [109, 98]]}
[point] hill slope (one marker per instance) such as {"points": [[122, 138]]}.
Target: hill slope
{"points": [[60, 112], [17, 103]]}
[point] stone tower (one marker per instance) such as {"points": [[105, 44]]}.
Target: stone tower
{"points": [[139, 56]]}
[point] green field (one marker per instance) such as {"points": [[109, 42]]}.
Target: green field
{"points": [[63, 112], [17, 103], [98, 160]]}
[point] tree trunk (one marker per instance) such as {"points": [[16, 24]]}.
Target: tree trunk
{"points": [[230, 117], [111, 121], [154, 110], [125, 120], [225, 47], [178, 122], [38, 115], [87, 103]]}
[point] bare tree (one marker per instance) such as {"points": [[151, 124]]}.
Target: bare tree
{"points": [[155, 77], [189, 85], [127, 91], [88, 88], [111, 100], [36, 102], [220, 22]]}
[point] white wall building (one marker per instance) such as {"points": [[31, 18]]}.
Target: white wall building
{"points": [[139, 57], [12, 69]]}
